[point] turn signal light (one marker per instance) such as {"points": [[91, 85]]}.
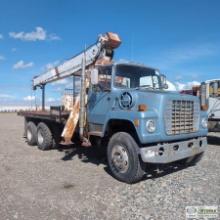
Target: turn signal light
{"points": [[142, 108], [204, 107]]}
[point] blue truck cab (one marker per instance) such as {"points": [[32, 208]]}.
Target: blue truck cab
{"points": [[128, 105]]}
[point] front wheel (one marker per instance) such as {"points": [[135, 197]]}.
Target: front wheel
{"points": [[123, 159]]}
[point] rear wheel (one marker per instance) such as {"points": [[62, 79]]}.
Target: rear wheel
{"points": [[44, 137], [31, 133], [123, 159]]}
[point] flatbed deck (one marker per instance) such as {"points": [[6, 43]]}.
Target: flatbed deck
{"points": [[55, 115]]}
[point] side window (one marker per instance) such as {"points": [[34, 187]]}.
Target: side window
{"points": [[146, 81], [104, 78], [218, 88], [122, 82]]}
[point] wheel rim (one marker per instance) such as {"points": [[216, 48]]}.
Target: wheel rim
{"points": [[29, 135], [40, 137], [120, 158]]}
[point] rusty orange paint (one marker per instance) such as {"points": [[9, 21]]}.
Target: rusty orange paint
{"points": [[142, 108], [71, 123], [113, 40], [136, 122]]}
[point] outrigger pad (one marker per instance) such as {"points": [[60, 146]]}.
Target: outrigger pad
{"points": [[86, 143], [66, 143]]}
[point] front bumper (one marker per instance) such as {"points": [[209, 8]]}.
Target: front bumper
{"points": [[170, 152]]}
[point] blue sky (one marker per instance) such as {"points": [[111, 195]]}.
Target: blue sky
{"points": [[181, 38]]}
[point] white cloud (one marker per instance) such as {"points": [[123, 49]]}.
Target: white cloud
{"points": [[78, 83], [2, 58], [191, 53], [39, 34], [51, 99], [13, 49], [6, 96], [178, 77], [195, 75], [53, 37], [22, 65], [60, 82], [51, 65], [186, 86], [181, 55], [179, 86], [1, 37], [29, 98], [59, 89]]}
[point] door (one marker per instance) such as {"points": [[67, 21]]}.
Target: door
{"points": [[99, 99]]}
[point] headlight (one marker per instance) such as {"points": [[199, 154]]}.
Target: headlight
{"points": [[204, 122], [151, 126]]}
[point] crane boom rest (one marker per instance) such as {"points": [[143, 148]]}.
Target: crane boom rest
{"points": [[102, 50]]}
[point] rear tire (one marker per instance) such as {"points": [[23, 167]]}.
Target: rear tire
{"points": [[123, 158], [31, 133], [44, 137]]}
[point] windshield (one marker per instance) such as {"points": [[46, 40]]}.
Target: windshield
{"points": [[129, 76]]}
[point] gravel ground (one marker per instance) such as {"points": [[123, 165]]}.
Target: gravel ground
{"points": [[68, 184]]}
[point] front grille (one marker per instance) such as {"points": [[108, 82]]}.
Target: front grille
{"points": [[181, 117]]}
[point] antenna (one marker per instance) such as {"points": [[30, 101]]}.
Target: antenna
{"points": [[131, 46]]}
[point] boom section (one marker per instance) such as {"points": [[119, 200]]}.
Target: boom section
{"points": [[103, 48]]}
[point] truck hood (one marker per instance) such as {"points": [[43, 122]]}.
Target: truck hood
{"points": [[156, 100], [158, 104]]}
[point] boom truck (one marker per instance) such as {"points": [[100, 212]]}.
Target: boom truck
{"points": [[209, 93], [210, 99], [122, 107]]}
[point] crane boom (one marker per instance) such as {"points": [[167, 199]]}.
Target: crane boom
{"points": [[104, 47]]}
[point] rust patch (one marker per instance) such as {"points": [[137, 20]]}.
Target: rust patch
{"points": [[72, 121]]}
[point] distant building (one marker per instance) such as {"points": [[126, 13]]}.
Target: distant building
{"points": [[19, 108], [15, 108]]}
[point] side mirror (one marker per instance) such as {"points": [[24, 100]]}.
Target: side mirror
{"points": [[215, 88], [204, 97], [94, 77], [165, 86]]}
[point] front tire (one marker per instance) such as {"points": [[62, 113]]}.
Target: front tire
{"points": [[123, 158], [44, 137]]}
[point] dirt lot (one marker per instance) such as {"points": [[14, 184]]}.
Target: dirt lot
{"points": [[68, 184]]}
